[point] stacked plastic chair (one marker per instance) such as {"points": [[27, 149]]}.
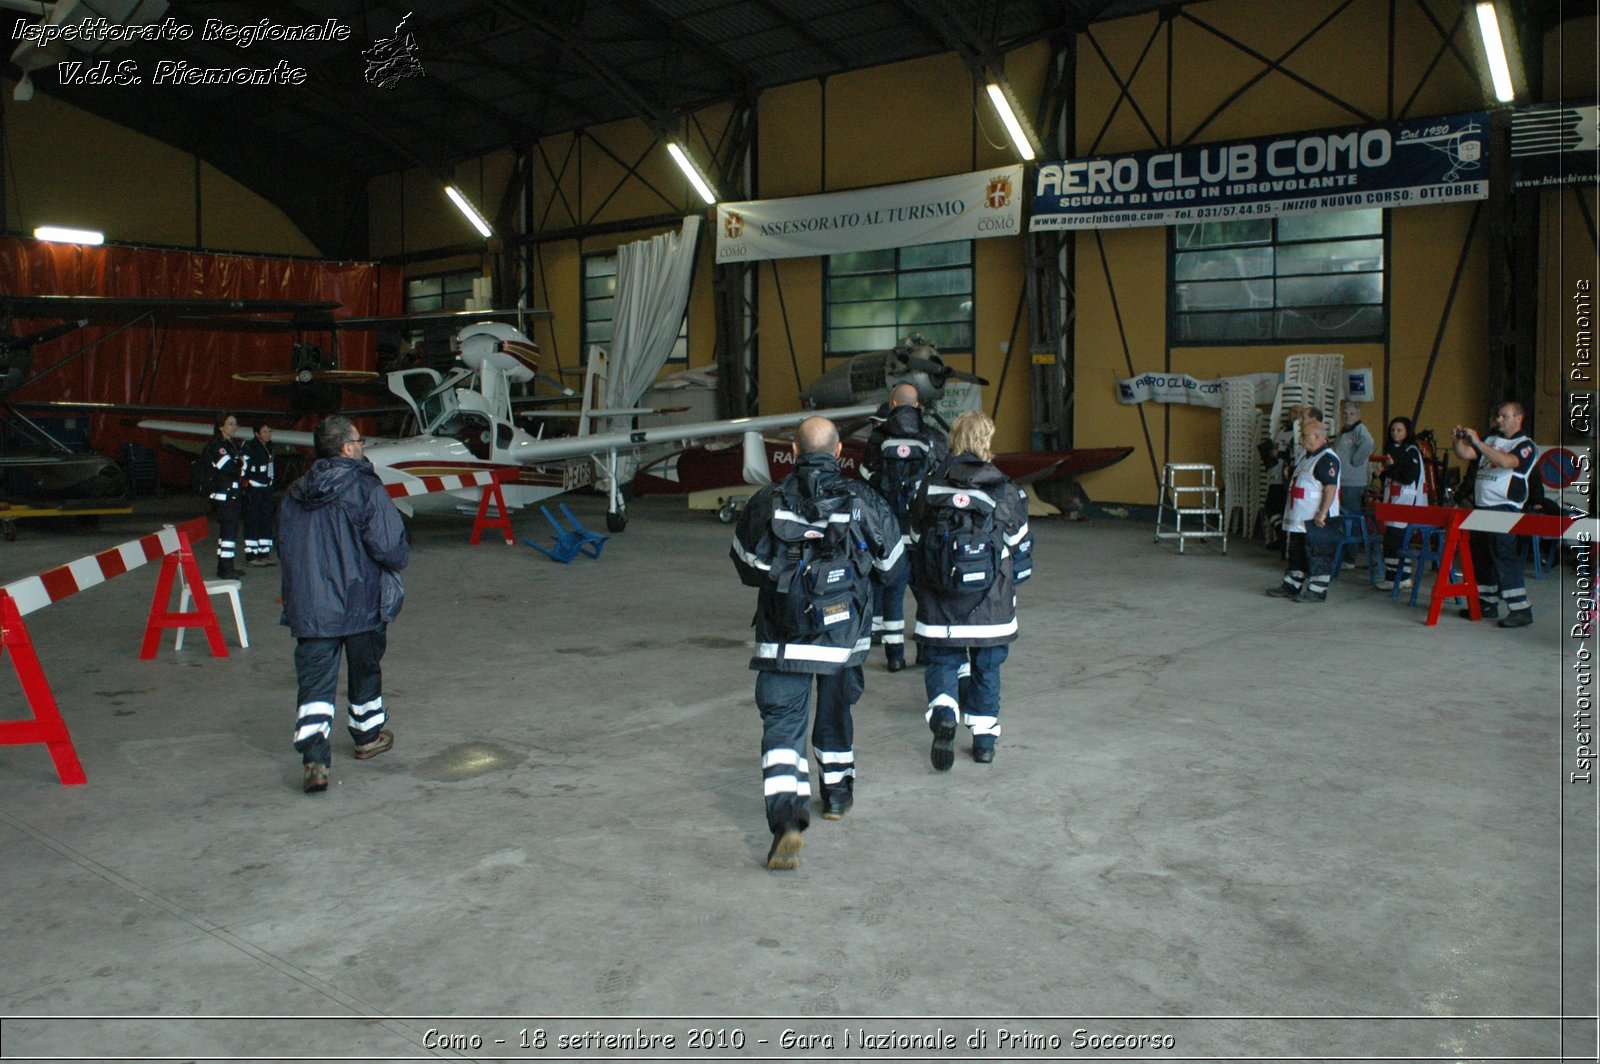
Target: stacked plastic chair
{"points": [[1243, 478], [1308, 380]]}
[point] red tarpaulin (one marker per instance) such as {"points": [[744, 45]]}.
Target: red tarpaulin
{"points": [[182, 364]]}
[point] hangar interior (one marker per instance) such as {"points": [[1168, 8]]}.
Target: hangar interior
{"points": [[1258, 838]]}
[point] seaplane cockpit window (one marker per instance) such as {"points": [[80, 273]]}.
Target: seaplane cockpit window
{"points": [[471, 429], [433, 407], [502, 433]]}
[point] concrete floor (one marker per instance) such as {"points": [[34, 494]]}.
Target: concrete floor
{"points": [[1257, 828]]}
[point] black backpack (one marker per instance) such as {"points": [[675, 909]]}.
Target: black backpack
{"points": [[817, 576], [900, 475], [958, 554]]}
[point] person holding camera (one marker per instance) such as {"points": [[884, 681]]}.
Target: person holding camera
{"points": [[1503, 464]]}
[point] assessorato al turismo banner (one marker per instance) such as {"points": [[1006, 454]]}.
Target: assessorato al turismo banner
{"points": [[961, 207]]}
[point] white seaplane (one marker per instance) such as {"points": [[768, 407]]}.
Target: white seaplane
{"points": [[465, 424]]}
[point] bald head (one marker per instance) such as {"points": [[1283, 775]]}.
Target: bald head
{"points": [[816, 435], [904, 395], [1314, 433]]}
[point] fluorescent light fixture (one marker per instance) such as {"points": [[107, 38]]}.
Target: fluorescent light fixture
{"points": [[465, 206], [1019, 136], [692, 172], [59, 235], [1494, 49]]}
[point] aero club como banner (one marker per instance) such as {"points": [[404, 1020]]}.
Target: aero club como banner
{"points": [[1397, 164]]}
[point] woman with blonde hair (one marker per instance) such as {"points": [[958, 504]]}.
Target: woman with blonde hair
{"points": [[970, 548]]}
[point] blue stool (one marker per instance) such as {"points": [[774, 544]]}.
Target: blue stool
{"points": [[1359, 529], [1534, 547], [1422, 543]]}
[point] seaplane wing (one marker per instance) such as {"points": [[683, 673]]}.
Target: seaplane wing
{"points": [[467, 442], [537, 451], [287, 437]]}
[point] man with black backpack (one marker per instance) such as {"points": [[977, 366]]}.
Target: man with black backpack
{"points": [[970, 548], [814, 543], [901, 452]]}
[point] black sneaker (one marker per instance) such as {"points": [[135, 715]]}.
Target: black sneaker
{"points": [[1311, 596], [1517, 619], [785, 852], [835, 804], [943, 753], [983, 749], [1281, 591], [897, 664], [1488, 613]]}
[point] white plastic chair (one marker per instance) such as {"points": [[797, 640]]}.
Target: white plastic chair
{"points": [[214, 588]]}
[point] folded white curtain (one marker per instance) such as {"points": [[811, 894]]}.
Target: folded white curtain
{"points": [[652, 293]]}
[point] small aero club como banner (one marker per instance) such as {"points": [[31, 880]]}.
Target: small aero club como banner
{"points": [[1555, 145], [1397, 164], [1182, 388], [962, 207]]}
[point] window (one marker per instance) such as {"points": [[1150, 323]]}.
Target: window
{"points": [[448, 291], [1298, 277], [874, 298], [599, 308]]}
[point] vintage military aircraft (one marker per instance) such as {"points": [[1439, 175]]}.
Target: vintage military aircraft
{"points": [[44, 469], [462, 421]]}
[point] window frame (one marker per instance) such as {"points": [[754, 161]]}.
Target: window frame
{"points": [[1381, 336], [443, 277], [901, 328], [680, 355]]}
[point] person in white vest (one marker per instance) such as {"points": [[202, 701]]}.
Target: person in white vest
{"points": [[1504, 462], [1404, 483], [1313, 500]]}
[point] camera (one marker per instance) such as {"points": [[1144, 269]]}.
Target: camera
{"points": [[1461, 434]]}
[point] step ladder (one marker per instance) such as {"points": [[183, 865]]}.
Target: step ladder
{"points": [[1189, 494]]}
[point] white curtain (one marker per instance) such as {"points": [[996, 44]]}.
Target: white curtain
{"points": [[652, 293]]}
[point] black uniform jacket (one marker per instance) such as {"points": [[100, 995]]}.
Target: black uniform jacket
{"points": [[992, 620], [827, 495], [907, 425]]}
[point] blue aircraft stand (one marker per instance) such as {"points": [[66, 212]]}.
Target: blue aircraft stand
{"points": [[569, 543]]}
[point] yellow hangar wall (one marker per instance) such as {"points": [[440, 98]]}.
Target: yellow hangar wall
{"points": [[886, 125], [901, 122], [1218, 92], [133, 188]]}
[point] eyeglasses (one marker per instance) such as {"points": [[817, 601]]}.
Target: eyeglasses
{"points": [[357, 439]]}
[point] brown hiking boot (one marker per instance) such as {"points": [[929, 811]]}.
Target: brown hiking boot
{"points": [[316, 777], [384, 741], [785, 852]]}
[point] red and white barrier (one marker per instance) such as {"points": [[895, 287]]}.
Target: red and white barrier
{"points": [[1458, 522], [1550, 526], [33, 593], [488, 479], [36, 592]]}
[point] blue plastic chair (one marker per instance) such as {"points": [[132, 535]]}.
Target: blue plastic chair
{"points": [[569, 542]]}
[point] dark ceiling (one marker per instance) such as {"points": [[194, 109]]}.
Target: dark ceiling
{"points": [[494, 73]]}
